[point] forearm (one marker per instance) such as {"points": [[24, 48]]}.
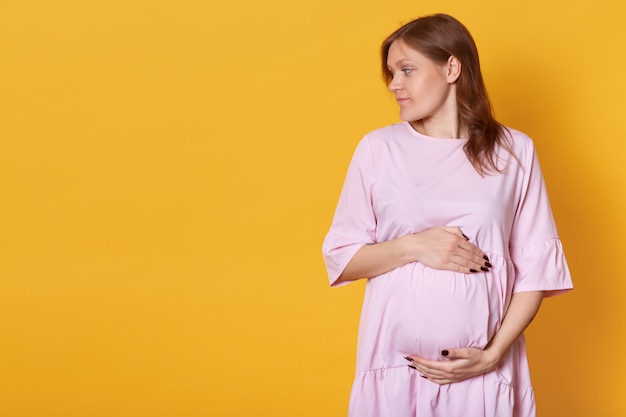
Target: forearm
{"points": [[376, 259], [521, 311], [439, 248]]}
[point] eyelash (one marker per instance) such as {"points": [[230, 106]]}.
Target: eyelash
{"points": [[406, 71]]}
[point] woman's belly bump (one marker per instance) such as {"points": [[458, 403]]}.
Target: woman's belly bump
{"points": [[417, 310]]}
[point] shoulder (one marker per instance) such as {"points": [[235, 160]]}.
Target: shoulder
{"points": [[517, 138], [373, 148], [387, 133], [521, 144], [385, 137]]}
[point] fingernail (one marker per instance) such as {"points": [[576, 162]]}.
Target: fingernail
{"points": [[485, 258], [473, 270], [412, 367], [444, 353], [466, 238], [487, 264], [482, 268], [408, 359]]}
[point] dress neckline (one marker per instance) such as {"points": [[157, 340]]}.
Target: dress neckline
{"points": [[417, 134]]}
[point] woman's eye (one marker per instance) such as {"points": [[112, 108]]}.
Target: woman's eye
{"points": [[406, 71]]}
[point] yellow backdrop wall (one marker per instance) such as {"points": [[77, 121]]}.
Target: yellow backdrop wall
{"points": [[168, 170]]}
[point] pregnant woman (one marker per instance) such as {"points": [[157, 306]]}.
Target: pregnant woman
{"points": [[446, 215]]}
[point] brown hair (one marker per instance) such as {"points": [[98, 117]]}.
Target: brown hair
{"points": [[438, 37]]}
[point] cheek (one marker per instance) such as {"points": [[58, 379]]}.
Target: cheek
{"points": [[417, 88], [437, 90]]}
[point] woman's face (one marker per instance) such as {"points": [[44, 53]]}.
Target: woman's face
{"points": [[422, 87]]}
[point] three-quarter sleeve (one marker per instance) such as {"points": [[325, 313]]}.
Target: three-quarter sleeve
{"points": [[354, 222], [536, 250]]}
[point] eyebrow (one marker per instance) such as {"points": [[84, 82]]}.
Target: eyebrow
{"points": [[401, 62]]}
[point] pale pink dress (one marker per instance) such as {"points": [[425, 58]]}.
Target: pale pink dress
{"points": [[401, 182]]}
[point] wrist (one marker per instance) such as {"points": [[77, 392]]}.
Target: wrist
{"points": [[411, 247], [494, 356]]}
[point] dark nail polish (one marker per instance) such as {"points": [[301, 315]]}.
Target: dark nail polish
{"points": [[466, 238], [485, 258], [408, 359], [412, 367], [473, 270], [482, 268], [487, 264], [444, 353]]}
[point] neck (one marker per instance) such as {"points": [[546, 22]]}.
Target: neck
{"points": [[450, 129]]}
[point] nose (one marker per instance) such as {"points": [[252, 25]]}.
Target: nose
{"points": [[394, 84]]}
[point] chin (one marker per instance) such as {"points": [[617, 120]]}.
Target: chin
{"points": [[407, 117]]}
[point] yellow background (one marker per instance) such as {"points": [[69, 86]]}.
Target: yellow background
{"points": [[168, 170]]}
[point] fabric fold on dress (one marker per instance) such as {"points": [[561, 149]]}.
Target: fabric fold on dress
{"points": [[541, 266], [338, 251]]}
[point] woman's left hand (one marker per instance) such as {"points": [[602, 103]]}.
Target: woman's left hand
{"points": [[457, 365]]}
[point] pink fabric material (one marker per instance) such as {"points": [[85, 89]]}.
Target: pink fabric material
{"points": [[400, 182]]}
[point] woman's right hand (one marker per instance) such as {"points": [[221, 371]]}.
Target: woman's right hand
{"points": [[447, 248], [438, 248]]}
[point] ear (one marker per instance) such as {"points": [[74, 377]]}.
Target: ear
{"points": [[453, 69]]}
